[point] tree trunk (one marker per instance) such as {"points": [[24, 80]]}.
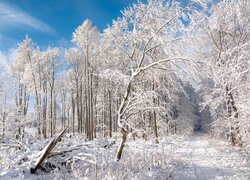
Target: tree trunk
{"points": [[121, 146], [103, 112], [44, 125], [110, 114], [234, 135], [155, 128], [54, 108], [73, 113], [154, 117], [91, 106], [78, 109], [120, 123], [51, 112]]}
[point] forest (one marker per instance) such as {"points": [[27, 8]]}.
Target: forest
{"points": [[159, 76]]}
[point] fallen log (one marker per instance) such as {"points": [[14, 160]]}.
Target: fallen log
{"points": [[55, 153], [46, 151]]}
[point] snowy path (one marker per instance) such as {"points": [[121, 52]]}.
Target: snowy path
{"points": [[201, 159]]}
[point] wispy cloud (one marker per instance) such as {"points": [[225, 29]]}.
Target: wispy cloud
{"points": [[3, 59], [11, 16], [7, 57]]}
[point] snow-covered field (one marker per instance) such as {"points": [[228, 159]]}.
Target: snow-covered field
{"points": [[175, 157]]}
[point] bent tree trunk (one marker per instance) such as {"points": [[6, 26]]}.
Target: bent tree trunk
{"points": [[120, 123], [122, 143]]}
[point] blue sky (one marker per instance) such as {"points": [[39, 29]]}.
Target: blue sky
{"points": [[51, 22]]}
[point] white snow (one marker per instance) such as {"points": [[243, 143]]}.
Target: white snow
{"points": [[175, 157], [203, 158]]}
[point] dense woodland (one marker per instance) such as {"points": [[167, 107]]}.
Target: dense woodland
{"points": [[161, 68]]}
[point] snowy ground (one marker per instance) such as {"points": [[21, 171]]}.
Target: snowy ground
{"points": [[176, 157], [202, 158]]}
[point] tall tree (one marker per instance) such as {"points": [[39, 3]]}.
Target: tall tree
{"points": [[86, 39]]}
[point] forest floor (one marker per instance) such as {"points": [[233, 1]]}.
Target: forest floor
{"points": [[175, 157], [203, 158]]}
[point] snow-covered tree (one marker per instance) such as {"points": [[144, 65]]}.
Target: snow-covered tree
{"points": [[147, 43], [34, 73], [83, 62], [225, 29], [18, 71]]}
